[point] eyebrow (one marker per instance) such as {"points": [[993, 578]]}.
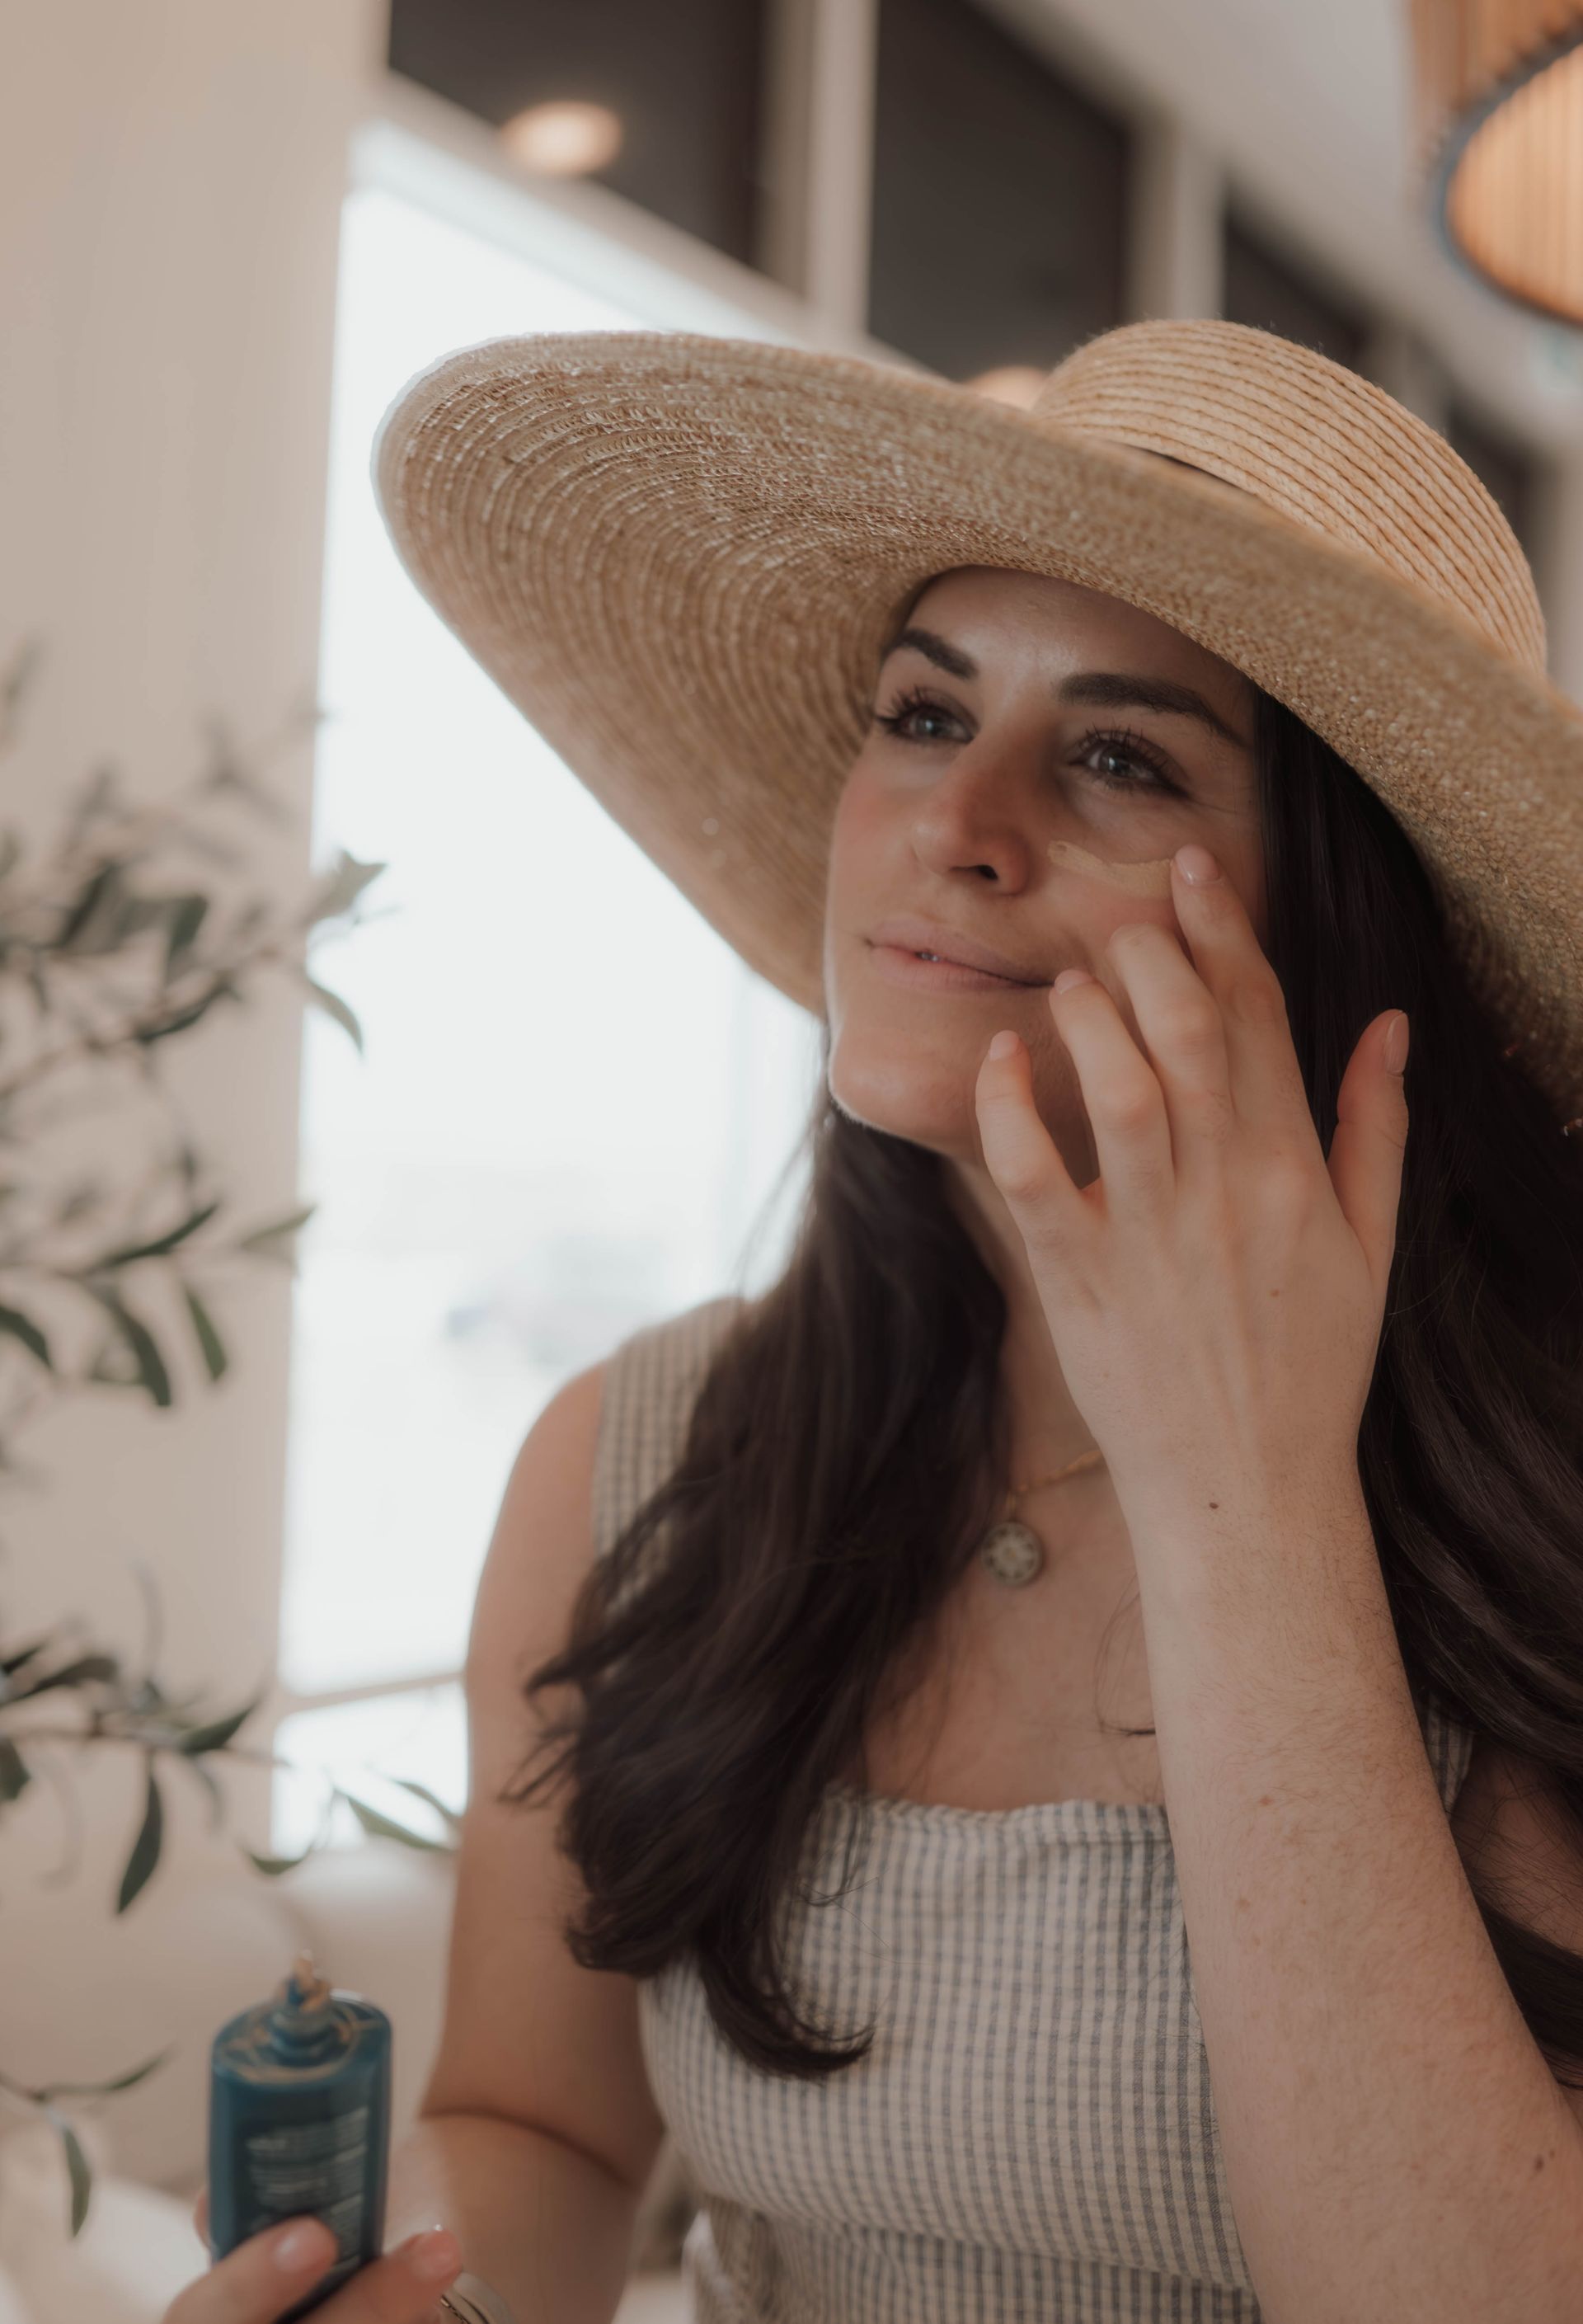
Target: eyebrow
{"points": [[1099, 689]]}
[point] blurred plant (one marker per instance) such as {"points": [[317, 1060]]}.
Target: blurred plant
{"points": [[109, 952], [169, 1732]]}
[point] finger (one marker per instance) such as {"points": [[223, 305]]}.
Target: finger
{"points": [[200, 2213], [1184, 1036], [1263, 1074], [1019, 1153], [1126, 1105], [261, 2278], [402, 2287], [268, 2273], [1369, 1147]]}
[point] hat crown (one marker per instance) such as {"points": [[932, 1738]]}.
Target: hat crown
{"points": [[1318, 444]]}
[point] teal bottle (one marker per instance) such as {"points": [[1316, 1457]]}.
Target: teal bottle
{"points": [[300, 2121]]}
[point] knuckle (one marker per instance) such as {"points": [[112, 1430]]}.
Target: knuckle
{"points": [[1190, 1028], [1022, 1178], [1044, 1234], [1213, 1114], [1288, 1182], [1126, 1108], [1256, 997]]}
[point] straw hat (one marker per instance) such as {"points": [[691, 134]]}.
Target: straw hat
{"points": [[679, 557]]}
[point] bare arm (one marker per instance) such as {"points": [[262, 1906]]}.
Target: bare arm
{"points": [[547, 2227], [537, 2132]]}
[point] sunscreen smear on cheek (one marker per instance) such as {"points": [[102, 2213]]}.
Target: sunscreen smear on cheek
{"points": [[1150, 879]]}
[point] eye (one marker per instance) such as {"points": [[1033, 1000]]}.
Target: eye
{"points": [[1107, 753], [1115, 756], [913, 702]]}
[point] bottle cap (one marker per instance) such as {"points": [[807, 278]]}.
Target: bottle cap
{"points": [[303, 2021]]}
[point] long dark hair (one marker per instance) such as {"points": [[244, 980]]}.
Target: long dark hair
{"points": [[845, 1451]]}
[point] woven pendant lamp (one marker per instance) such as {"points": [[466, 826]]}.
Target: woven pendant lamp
{"points": [[1501, 103]]}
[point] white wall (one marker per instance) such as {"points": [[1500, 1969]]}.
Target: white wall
{"points": [[170, 176]]}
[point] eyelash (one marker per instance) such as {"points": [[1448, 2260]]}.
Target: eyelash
{"points": [[1121, 740]]}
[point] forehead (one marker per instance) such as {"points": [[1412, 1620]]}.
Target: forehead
{"points": [[989, 609]]}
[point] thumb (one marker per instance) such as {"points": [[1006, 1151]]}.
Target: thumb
{"points": [[1366, 1151]]}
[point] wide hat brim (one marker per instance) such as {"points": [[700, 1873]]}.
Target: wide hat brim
{"points": [[678, 556]]}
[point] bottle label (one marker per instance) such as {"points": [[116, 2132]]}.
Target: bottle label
{"points": [[312, 2166]]}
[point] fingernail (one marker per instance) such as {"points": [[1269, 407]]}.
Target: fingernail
{"points": [[1396, 1045], [1003, 1045], [304, 2240], [437, 2255], [1070, 977], [1196, 864]]}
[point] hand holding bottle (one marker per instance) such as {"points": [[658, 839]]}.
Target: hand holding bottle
{"points": [[264, 2277]]}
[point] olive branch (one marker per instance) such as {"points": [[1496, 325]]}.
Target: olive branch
{"points": [[112, 947]]}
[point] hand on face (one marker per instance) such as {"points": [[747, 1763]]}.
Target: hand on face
{"points": [[1038, 753], [1215, 1294]]}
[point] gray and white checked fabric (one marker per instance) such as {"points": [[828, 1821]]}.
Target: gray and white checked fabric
{"points": [[1032, 2135]]}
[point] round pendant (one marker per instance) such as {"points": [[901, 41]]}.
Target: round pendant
{"points": [[1013, 1552]]}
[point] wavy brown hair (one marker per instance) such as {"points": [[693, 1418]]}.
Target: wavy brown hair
{"points": [[846, 1453]]}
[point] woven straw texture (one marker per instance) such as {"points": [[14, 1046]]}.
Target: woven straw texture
{"points": [[679, 556]]}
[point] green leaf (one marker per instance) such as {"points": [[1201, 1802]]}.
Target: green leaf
{"points": [[145, 1847], [22, 1327], [185, 916], [219, 1732], [100, 890], [104, 2090], [137, 913], [9, 1662], [222, 989], [76, 2164], [209, 1340], [334, 1006], [385, 1827], [14, 1774], [261, 1237], [275, 1865], [161, 1243], [342, 884], [151, 1372], [81, 1673], [452, 1821]]}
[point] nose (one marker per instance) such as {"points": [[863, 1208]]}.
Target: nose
{"points": [[982, 815]]}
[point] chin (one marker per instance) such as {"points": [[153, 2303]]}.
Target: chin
{"points": [[905, 1089]]}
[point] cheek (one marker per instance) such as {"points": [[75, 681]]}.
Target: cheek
{"points": [[858, 833]]}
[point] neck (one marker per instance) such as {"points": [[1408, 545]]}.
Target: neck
{"points": [[1047, 1430]]}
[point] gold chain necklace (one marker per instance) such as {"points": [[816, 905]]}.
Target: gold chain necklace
{"points": [[1011, 1551]]}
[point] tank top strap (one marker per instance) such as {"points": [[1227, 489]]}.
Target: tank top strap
{"points": [[651, 1381]]}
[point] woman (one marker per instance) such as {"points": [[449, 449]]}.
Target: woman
{"points": [[1045, 1716]]}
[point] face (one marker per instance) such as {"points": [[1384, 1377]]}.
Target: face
{"points": [[1038, 753]]}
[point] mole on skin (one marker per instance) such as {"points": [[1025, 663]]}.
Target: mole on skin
{"points": [[1151, 879]]}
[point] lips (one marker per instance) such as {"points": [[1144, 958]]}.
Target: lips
{"points": [[910, 932]]}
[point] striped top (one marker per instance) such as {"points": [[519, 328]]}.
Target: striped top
{"points": [[1033, 2133]]}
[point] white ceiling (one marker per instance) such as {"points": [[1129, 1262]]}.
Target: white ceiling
{"points": [[1309, 104]]}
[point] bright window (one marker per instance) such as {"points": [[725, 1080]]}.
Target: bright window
{"points": [[575, 1101]]}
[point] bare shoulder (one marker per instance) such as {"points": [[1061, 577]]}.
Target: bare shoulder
{"points": [[543, 1540], [531, 2036]]}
